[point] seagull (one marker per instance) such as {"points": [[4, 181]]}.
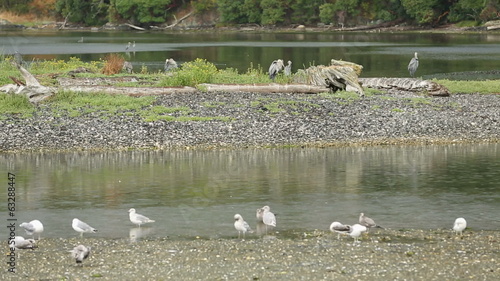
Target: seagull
{"points": [[32, 227], [356, 231], [460, 225], [340, 228], [241, 225], [170, 64], [288, 69], [80, 226], [20, 243], [368, 222], [80, 253], [268, 217], [137, 218]]}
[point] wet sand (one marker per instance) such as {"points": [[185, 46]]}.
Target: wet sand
{"points": [[385, 254]]}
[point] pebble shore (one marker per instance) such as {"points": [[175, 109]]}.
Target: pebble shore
{"points": [[264, 120], [436, 254]]}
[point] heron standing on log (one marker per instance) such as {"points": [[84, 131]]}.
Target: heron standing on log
{"points": [[413, 65], [275, 68]]}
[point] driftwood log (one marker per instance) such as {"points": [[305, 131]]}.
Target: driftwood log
{"points": [[340, 75], [263, 88], [32, 89], [406, 84]]}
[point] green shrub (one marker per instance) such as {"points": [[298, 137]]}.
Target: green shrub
{"points": [[191, 74]]}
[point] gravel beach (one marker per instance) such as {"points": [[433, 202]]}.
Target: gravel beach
{"points": [[316, 255], [236, 120]]}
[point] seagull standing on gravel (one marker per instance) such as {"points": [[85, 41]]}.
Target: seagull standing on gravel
{"points": [[80, 226], [340, 228], [33, 227], [356, 231], [241, 225], [368, 222], [20, 243], [460, 225], [138, 219], [79, 253]]}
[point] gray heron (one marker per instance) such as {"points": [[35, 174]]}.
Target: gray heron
{"points": [[170, 64], [288, 68], [275, 68], [413, 65]]}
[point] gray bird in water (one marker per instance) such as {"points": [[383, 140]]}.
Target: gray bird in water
{"points": [[80, 253], [368, 222], [170, 65], [413, 65], [275, 68]]}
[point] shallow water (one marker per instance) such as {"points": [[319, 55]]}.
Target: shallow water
{"points": [[381, 54], [196, 193]]}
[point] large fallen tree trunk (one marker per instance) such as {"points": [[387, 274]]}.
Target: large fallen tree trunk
{"points": [[406, 84], [131, 91], [340, 75], [264, 88]]}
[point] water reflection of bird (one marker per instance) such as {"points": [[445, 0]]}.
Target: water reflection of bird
{"points": [[275, 68], [33, 227], [460, 225], [241, 225], [288, 68], [81, 40], [80, 253], [413, 65], [170, 64]]}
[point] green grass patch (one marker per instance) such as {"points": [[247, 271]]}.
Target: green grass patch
{"points": [[77, 104], [471, 87], [15, 104]]}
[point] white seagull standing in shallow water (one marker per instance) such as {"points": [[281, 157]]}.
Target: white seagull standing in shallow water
{"points": [[241, 225], [80, 226], [138, 219], [368, 222], [80, 253], [33, 227], [340, 228], [460, 225], [356, 231]]}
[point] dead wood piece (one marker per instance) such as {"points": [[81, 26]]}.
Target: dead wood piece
{"points": [[263, 88], [406, 84], [87, 81], [176, 22], [338, 76], [131, 91], [135, 27], [33, 90], [17, 81]]}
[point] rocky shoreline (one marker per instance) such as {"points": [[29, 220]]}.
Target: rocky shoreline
{"points": [[240, 120], [409, 254]]}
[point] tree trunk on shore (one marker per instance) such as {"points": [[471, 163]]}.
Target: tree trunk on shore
{"points": [[406, 84]]}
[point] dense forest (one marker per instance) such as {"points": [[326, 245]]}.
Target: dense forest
{"points": [[262, 12]]}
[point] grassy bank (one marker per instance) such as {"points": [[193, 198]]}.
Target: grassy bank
{"points": [[191, 74]]}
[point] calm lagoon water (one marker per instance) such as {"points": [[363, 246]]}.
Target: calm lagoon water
{"points": [[381, 54], [196, 193]]}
